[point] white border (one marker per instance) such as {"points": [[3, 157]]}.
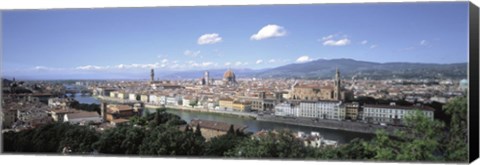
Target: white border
{"points": [[68, 4], [63, 4]]}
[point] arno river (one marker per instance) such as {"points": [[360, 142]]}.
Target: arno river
{"points": [[253, 125]]}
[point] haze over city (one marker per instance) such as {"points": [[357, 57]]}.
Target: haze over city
{"points": [[123, 42]]}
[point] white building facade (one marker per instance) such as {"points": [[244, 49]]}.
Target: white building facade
{"points": [[392, 114], [286, 109], [322, 110]]}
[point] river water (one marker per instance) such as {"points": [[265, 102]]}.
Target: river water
{"points": [[255, 125], [252, 125], [86, 99]]}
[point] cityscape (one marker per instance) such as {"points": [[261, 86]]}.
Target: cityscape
{"points": [[254, 82]]}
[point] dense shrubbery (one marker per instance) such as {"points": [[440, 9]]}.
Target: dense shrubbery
{"points": [[51, 139], [159, 134]]}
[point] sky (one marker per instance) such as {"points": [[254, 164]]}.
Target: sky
{"points": [[94, 43]]}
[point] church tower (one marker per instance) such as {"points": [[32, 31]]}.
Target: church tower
{"points": [[207, 78], [337, 92], [152, 75]]}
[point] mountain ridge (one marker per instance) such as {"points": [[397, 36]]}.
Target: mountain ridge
{"points": [[324, 68]]}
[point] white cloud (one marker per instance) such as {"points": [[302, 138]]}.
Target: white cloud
{"points": [[269, 31], [228, 63], [165, 64], [303, 59], [341, 42], [136, 66], [272, 61], [89, 67], [328, 37], [206, 64], [191, 53], [121, 66], [209, 39], [238, 63], [259, 62], [164, 60], [333, 40], [44, 68], [364, 42], [41, 68], [373, 46], [423, 42]]}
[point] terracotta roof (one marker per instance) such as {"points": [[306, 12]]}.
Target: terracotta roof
{"points": [[229, 73], [328, 87], [120, 108], [226, 99], [308, 86], [82, 115]]}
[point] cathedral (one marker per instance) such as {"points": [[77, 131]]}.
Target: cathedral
{"points": [[229, 78], [317, 92]]}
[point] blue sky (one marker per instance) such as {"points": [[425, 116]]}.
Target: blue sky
{"points": [[85, 42]]}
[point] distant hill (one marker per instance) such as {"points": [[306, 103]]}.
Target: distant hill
{"points": [[214, 73], [325, 69], [321, 69]]}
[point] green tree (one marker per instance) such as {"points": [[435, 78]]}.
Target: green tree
{"points": [[51, 138], [162, 117], [218, 146], [136, 120], [79, 139], [456, 142], [198, 130], [354, 150], [146, 113], [188, 129], [169, 140], [230, 130], [133, 140], [418, 142], [281, 144], [110, 142], [193, 103]]}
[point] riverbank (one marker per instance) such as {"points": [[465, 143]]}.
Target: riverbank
{"points": [[325, 124], [183, 108], [331, 124]]}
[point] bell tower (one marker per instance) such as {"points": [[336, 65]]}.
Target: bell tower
{"points": [[337, 90], [152, 75], [207, 78]]}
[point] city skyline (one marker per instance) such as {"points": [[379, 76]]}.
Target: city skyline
{"points": [[96, 42]]}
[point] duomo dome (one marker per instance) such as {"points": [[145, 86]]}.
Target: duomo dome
{"points": [[229, 77], [229, 74]]}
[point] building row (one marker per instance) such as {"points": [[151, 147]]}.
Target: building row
{"points": [[338, 110]]}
